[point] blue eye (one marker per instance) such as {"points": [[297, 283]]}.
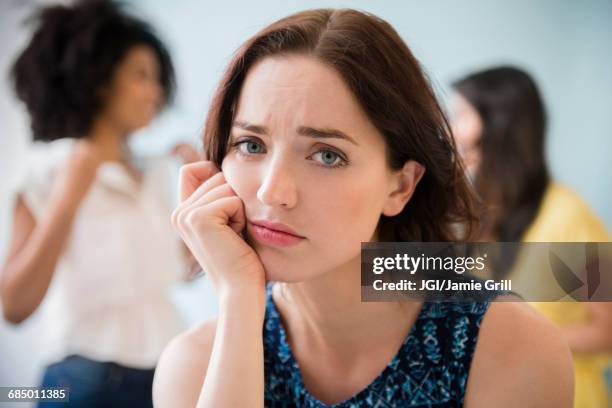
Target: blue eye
{"points": [[328, 157], [248, 147]]}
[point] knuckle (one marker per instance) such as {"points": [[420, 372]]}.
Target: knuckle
{"points": [[218, 176], [195, 218], [183, 170], [183, 220], [235, 200], [174, 218], [223, 189]]}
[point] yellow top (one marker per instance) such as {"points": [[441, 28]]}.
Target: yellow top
{"points": [[564, 217]]}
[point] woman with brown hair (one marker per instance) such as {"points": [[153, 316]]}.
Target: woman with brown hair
{"points": [[500, 126], [323, 134]]}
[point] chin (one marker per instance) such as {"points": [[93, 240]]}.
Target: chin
{"points": [[281, 269], [143, 124], [283, 276], [141, 121]]}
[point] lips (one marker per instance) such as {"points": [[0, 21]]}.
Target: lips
{"points": [[276, 227], [273, 234]]}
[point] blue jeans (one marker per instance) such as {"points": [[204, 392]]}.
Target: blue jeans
{"points": [[95, 384]]}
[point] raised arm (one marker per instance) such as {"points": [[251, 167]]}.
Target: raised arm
{"points": [[36, 245], [219, 364]]}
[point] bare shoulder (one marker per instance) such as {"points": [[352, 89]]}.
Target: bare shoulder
{"points": [[182, 367], [521, 359]]}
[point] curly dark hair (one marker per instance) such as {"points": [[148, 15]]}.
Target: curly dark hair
{"points": [[73, 53]]}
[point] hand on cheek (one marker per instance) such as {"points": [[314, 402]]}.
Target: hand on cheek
{"points": [[210, 219]]}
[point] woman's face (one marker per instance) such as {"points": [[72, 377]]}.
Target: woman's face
{"points": [[135, 94], [467, 130], [304, 154]]}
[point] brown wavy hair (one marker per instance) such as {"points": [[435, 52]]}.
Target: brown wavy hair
{"points": [[391, 87]]}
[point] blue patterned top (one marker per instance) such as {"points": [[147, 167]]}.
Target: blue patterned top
{"points": [[430, 369]]}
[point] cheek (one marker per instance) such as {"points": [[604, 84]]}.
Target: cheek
{"points": [[124, 107], [341, 218], [243, 182], [467, 130], [350, 211], [335, 212], [132, 95]]}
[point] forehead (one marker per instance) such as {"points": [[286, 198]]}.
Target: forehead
{"points": [[461, 104], [299, 90], [140, 56]]}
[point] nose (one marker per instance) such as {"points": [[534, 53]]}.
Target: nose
{"points": [[278, 187]]}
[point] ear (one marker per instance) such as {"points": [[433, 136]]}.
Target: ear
{"points": [[404, 183]]}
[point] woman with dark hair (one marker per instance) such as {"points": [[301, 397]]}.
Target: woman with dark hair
{"points": [[323, 134], [92, 238], [500, 127], [503, 142]]}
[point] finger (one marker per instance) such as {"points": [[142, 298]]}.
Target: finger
{"points": [[216, 180], [215, 193], [212, 190], [231, 211], [238, 220], [209, 196], [193, 175]]}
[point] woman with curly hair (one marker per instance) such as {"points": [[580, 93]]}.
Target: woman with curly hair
{"points": [[92, 237], [323, 134]]}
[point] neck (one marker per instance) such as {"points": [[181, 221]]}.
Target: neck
{"points": [[109, 138], [328, 311]]}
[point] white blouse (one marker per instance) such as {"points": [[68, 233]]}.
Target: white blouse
{"points": [[108, 299]]}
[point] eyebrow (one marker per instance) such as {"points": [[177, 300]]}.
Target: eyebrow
{"points": [[324, 133], [250, 127]]}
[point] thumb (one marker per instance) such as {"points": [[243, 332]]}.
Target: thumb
{"points": [[193, 175]]}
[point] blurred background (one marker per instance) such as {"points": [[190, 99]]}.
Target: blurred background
{"points": [[565, 45]]}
